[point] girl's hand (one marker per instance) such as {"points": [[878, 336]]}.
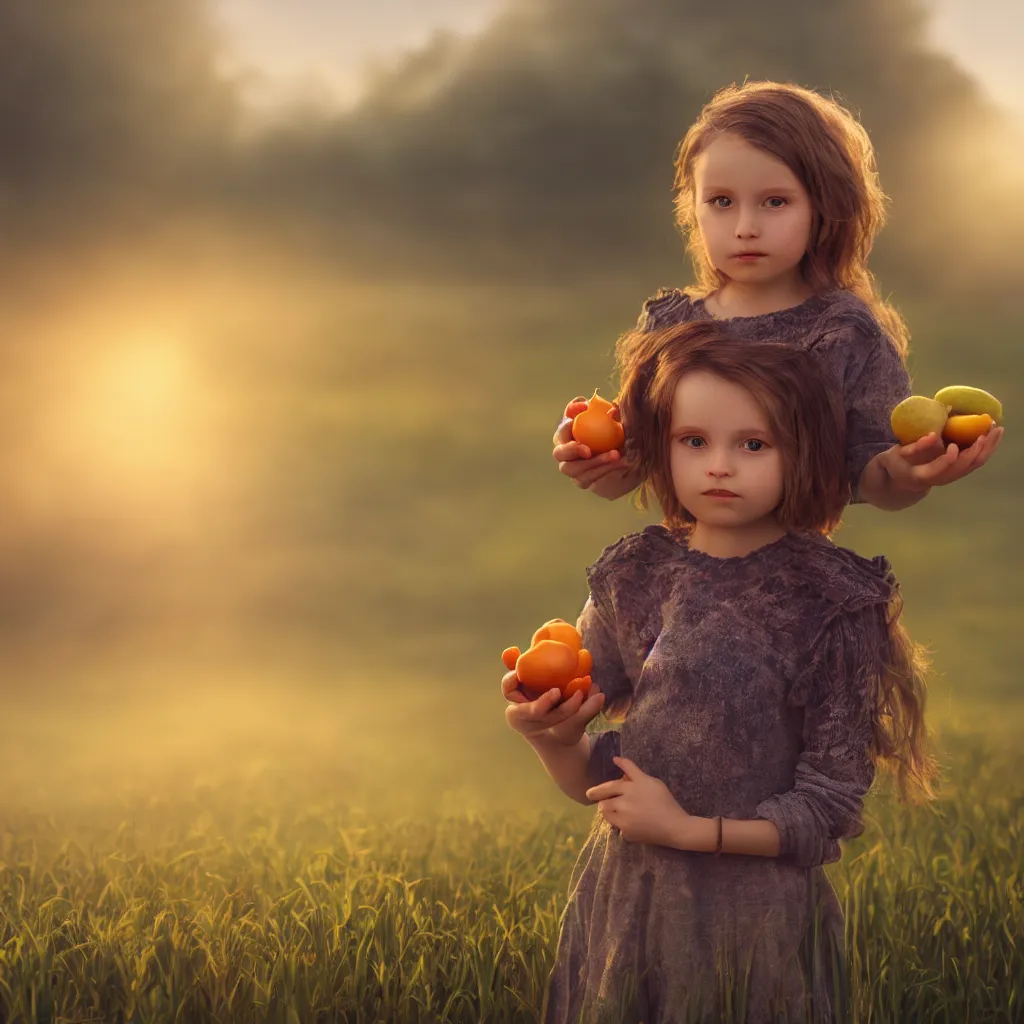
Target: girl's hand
{"points": [[925, 463], [607, 475], [640, 806], [545, 717]]}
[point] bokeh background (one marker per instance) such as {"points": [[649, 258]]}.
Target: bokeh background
{"points": [[292, 298]]}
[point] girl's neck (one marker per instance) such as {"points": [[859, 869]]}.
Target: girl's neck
{"points": [[733, 541], [737, 299]]}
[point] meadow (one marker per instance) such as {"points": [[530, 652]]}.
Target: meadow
{"points": [[310, 830], [312, 894]]}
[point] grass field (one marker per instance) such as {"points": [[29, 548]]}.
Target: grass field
{"points": [[347, 885], [337, 824]]}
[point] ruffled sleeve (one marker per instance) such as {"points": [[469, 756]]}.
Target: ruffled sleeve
{"points": [[618, 623], [669, 306], [597, 627], [838, 691]]}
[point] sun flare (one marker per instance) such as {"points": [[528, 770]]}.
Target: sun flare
{"points": [[127, 426]]}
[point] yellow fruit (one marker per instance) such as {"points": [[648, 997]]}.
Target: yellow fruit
{"points": [[917, 416], [967, 401]]}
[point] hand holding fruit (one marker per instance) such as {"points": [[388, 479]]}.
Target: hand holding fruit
{"points": [[548, 716], [548, 687], [959, 414], [604, 472], [556, 659], [944, 438], [597, 427]]}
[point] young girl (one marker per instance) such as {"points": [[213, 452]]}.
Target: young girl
{"points": [[777, 195], [765, 672]]}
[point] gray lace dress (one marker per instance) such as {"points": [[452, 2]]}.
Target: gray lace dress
{"points": [[751, 682], [857, 355]]}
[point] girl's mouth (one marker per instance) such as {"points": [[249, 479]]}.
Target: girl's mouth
{"points": [[719, 493]]}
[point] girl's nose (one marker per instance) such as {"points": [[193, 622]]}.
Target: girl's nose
{"points": [[746, 225]]}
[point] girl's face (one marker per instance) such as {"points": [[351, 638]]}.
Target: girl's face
{"points": [[753, 214], [726, 470]]}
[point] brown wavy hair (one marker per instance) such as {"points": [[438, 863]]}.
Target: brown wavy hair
{"points": [[830, 153], [805, 416], [807, 422]]}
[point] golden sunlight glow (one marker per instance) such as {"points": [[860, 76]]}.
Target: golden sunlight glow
{"points": [[127, 426], [132, 405]]}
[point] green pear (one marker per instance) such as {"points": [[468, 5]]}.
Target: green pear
{"points": [[917, 416], [967, 401]]}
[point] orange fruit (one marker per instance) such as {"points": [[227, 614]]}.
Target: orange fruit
{"points": [[509, 657], [600, 404], [579, 683], [547, 664], [963, 431], [560, 630], [596, 428]]}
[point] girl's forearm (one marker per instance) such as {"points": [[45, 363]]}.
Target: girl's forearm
{"points": [[567, 766], [882, 489], [756, 837]]}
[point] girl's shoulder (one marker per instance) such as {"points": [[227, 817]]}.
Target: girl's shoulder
{"points": [[847, 318], [841, 577], [666, 307], [631, 560]]}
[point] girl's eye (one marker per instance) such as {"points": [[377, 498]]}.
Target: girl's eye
{"points": [[775, 203], [753, 445], [693, 441], [722, 202]]}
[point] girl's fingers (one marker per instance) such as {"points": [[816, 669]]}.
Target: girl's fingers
{"points": [[509, 683], [605, 790], [545, 703], [512, 691], [589, 477], [581, 466], [561, 710], [923, 451], [570, 451], [572, 705], [574, 458], [563, 432], [990, 447]]}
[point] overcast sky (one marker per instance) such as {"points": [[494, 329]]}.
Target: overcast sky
{"points": [[301, 43]]}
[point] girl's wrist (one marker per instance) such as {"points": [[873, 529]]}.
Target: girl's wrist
{"points": [[547, 739], [696, 835]]}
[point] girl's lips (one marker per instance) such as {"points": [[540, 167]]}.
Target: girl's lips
{"points": [[720, 494], [748, 255]]}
